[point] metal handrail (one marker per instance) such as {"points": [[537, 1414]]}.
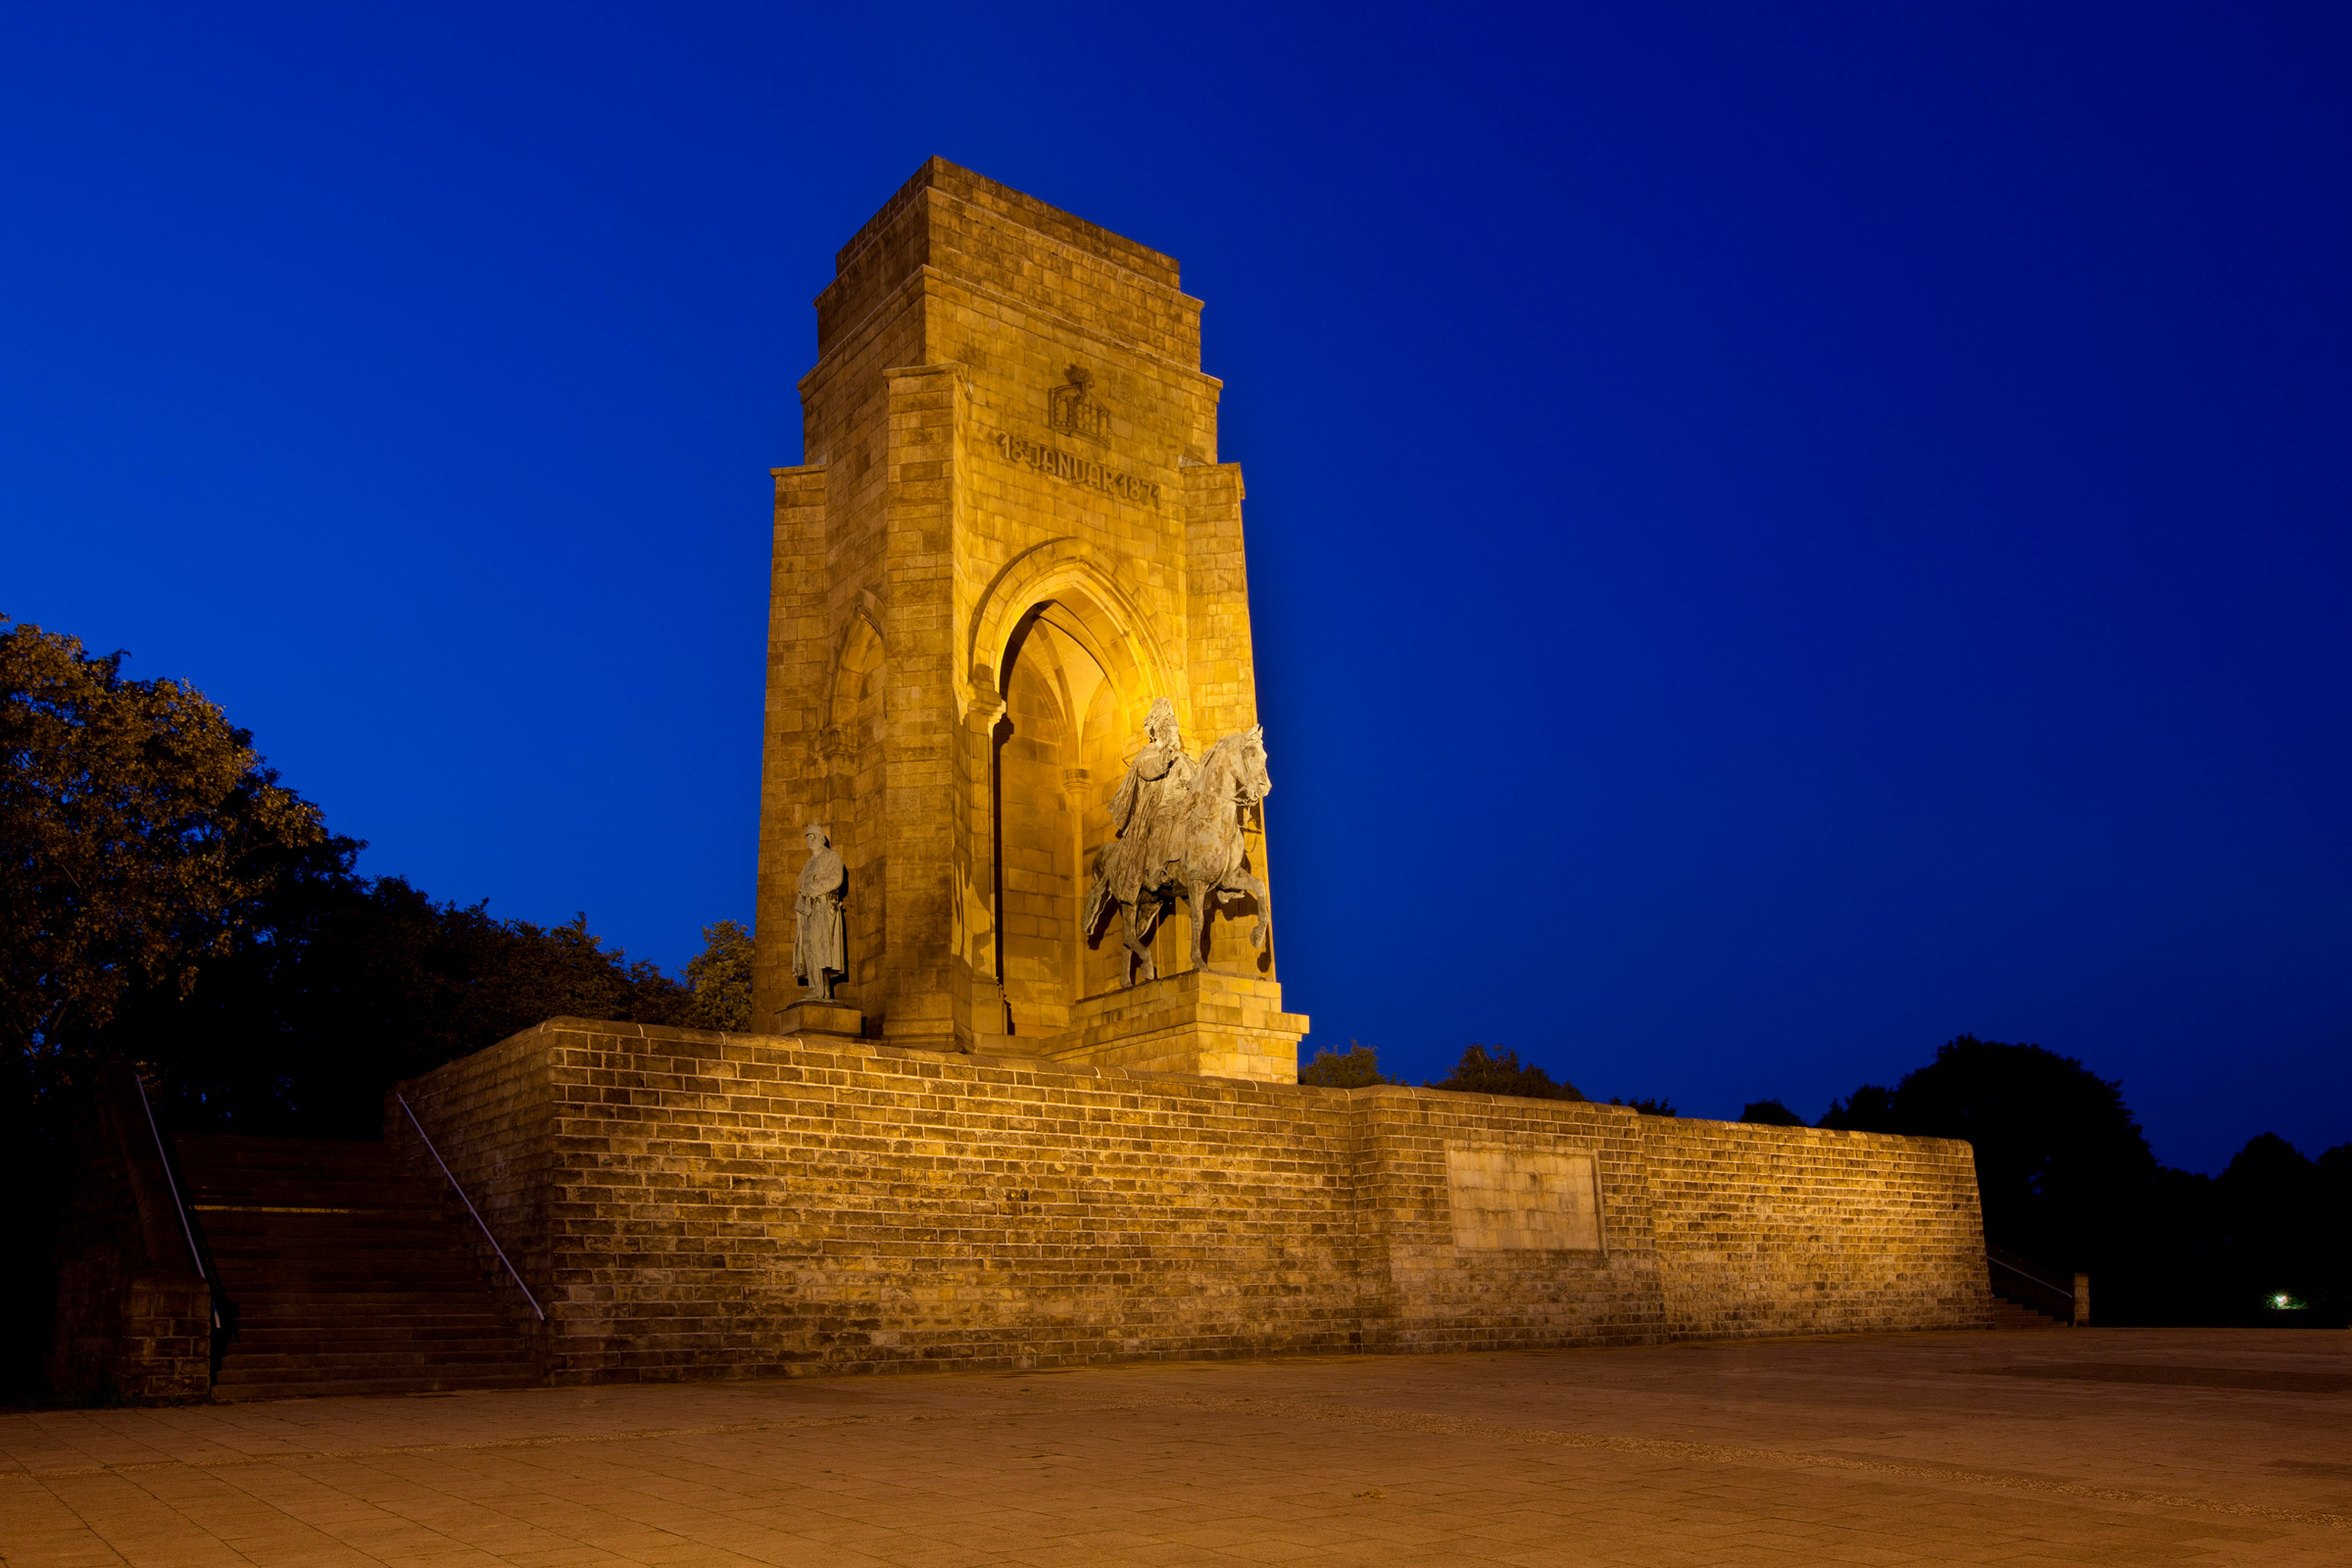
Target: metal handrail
{"points": [[468, 1202], [188, 1227], [2005, 1260]]}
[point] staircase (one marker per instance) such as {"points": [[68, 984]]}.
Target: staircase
{"points": [[2025, 1297], [2008, 1314], [345, 1275]]}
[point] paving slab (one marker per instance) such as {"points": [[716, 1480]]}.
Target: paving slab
{"points": [[2076, 1446]]}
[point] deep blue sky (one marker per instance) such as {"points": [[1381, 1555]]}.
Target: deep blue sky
{"points": [[1777, 534]]}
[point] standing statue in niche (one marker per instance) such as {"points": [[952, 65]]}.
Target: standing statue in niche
{"points": [[819, 940], [1180, 837]]}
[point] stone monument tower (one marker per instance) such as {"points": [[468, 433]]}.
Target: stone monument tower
{"points": [[1011, 543]]}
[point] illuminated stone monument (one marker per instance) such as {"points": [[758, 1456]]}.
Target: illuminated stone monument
{"points": [[1010, 724], [1012, 537]]}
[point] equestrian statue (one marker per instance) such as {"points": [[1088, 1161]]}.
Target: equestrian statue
{"points": [[1179, 825]]}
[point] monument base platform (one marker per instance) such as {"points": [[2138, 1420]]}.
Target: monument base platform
{"points": [[830, 1019], [1203, 1021], [685, 1204]]}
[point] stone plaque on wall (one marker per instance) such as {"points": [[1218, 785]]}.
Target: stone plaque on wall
{"points": [[1518, 1199]]}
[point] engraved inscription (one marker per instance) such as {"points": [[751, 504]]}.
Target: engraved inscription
{"points": [[1077, 471]]}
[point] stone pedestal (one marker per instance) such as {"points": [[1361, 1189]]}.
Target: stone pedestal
{"points": [[1203, 1021], [809, 1016]]}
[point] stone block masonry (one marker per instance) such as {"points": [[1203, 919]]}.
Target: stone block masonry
{"points": [[690, 1205]]}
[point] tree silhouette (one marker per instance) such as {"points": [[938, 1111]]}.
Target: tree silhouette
{"points": [[1500, 1072], [1355, 1068], [2064, 1169], [719, 978], [2283, 1229], [140, 835]]}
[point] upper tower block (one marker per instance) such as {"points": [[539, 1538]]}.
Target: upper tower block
{"points": [[987, 235], [1012, 537]]}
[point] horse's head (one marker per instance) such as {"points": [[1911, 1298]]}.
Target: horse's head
{"points": [[1250, 784]]}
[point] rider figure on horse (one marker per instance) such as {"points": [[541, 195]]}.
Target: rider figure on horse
{"points": [[1149, 808]]}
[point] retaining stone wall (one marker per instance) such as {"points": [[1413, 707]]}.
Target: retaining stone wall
{"points": [[696, 1204]]}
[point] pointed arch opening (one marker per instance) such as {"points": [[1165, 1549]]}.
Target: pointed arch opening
{"points": [[1075, 694]]}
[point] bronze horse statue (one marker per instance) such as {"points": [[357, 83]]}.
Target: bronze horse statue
{"points": [[1207, 838]]}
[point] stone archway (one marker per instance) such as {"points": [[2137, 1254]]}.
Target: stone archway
{"points": [[1075, 695]]}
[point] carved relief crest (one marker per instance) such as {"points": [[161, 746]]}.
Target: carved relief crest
{"points": [[1072, 410]]}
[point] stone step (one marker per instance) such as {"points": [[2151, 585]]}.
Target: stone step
{"points": [[283, 1307], [352, 1244], [480, 1337], [311, 1158], [286, 1310], [318, 1389], [357, 1275], [293, 1196], [259, 1330], [2008, 1314], [384, 1353], [360, 1271], [313, 1210], [316, 1216], [276, 1366], [353, 1239], [266, 1336], [336, 1339]]}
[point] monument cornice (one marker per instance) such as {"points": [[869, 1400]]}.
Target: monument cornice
{"points": [[846, 345], [848, 256], [1022, 210]]}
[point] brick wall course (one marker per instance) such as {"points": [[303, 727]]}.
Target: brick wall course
{"points": [[696, 1204]]}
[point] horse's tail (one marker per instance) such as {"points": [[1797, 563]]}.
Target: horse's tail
{"points": [[1098, 894]]}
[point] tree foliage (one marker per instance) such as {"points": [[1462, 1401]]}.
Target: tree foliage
{"points": [[362, 983], [1771, 1113], [718, 979], [2069, 1182], [167, 898], [140, 837], [1500, 1072], [1647, 1105], [1355, 1068], [2061, 1162], [1868, 1110], [2285, 1230]]}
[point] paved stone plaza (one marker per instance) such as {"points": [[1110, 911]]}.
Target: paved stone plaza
{"points": [[2057, 1446]]}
